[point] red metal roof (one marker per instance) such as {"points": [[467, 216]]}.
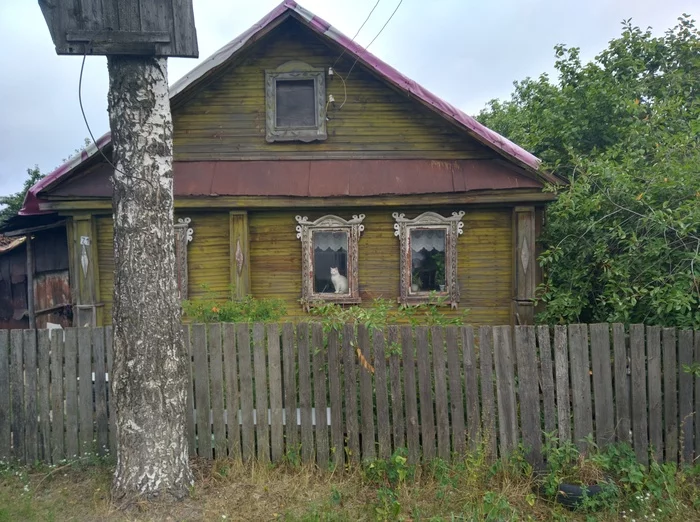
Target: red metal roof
{"points": [[493, 140]]}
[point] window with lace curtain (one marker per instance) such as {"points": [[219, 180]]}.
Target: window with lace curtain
{"points": [[428, 256], [329, 249]]}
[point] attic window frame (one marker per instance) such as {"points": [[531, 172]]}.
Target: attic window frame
{"points": [[295, 71]]}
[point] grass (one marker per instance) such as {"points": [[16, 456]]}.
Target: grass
{"points": [[471, 489]]}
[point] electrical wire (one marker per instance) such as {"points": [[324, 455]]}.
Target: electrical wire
{"points": [[92, 137], [377, 36], [358, 31]]}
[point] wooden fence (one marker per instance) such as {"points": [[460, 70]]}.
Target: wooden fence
{"points": [[266, 391]]}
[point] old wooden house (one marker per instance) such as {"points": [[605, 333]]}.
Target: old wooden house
{"points": [[309, 170]]}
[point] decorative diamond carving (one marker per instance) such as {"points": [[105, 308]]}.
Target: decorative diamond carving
{"points": [[525, 255], [239, 257]]}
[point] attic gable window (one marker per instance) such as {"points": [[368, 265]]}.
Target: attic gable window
{"points": [[295, 96]]}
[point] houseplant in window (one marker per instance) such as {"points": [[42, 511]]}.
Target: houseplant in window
{"points": [[428, 256]]}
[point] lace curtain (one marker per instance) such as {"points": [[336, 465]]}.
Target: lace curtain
{"points": [[335, 241], [428, 240]]}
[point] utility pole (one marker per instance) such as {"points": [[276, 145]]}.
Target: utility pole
{"points": [[149, 373]]}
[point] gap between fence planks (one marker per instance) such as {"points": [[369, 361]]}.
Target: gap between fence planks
{"points": [[356, 393]]}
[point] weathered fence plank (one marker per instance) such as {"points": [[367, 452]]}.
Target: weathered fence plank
{"points": [[308, 452], [623, 414], [528, 392], [366, 393], [397, 414], [488, 403], [639, 393], [111, 413], [685, 395], [561, 368], [320, 402], [442, 419], [427, 419], [580, 384], [410, 395], [233, 401], [602, 384], [31, 427], [189, 417], [262, 425], [505, 389], [275, 369], [654, 379], [350, 380], [336, 396], [44, 404], [71, 387], [85, 421], [58, 451], [216, 380], [382, 396], [245, 371], [101, 420], [471, 387], [5, 412], [17, 390], [291, 432], [670, 394], [549, 409], [201, 391], [454, 375]]}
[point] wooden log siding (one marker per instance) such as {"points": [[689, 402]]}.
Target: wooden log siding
{"points": [[429, 390]]}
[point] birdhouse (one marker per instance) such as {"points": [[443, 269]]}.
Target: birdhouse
{"points": [[135, 27]]}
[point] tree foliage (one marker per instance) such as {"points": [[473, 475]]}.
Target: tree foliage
{"points": [[13, 202], [622, 242]]}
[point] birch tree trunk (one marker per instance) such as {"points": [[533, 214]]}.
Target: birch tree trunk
{"points": [[149, 372]]}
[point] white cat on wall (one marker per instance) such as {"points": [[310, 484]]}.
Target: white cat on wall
{"points": [[340, 282]]}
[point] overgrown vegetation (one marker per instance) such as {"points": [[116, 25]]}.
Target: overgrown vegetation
{"points": [[471, 489], [13, 202], [622, 242], [246, 310]]}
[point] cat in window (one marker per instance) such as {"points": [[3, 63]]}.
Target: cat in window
{"points": [[340, 282]]}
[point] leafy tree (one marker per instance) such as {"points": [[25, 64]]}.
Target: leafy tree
{"points": [[622, 242], [13, 202]]}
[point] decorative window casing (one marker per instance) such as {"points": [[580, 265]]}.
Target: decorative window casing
{"points": [[183, 236], [428, 247], [295, 97], [329, 253]]}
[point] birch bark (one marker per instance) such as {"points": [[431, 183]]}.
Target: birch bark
{"points": [[149, 372]]}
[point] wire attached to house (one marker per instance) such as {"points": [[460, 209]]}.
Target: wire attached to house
{"points": [[377, 36], [92, 137], [358, 32]]}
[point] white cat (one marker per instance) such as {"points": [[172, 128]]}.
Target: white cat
{"points": [[340, 282]]}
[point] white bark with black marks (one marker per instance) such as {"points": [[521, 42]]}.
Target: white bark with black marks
{"points": [[149, 373]]}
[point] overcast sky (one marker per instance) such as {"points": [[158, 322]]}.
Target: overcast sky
{"points": [[466, 51]]}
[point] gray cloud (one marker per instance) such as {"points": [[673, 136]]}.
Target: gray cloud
{"points": [[467, 52]]}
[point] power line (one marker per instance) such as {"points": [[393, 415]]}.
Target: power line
{"points": [[358, 31], [377, 36]]}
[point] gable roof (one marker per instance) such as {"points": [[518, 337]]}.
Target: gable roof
{"points": [[289, 8]]}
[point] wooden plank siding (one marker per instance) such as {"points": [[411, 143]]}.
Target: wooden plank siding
{"points": [[225, 118]]}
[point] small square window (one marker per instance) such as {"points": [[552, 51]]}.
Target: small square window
{"points": [[428, 253], [295, 103], [329, 249]]}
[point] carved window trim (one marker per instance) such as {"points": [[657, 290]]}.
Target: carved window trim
{"points": [[305, 228], [295, 70], [183, 236], [453, 228]]}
